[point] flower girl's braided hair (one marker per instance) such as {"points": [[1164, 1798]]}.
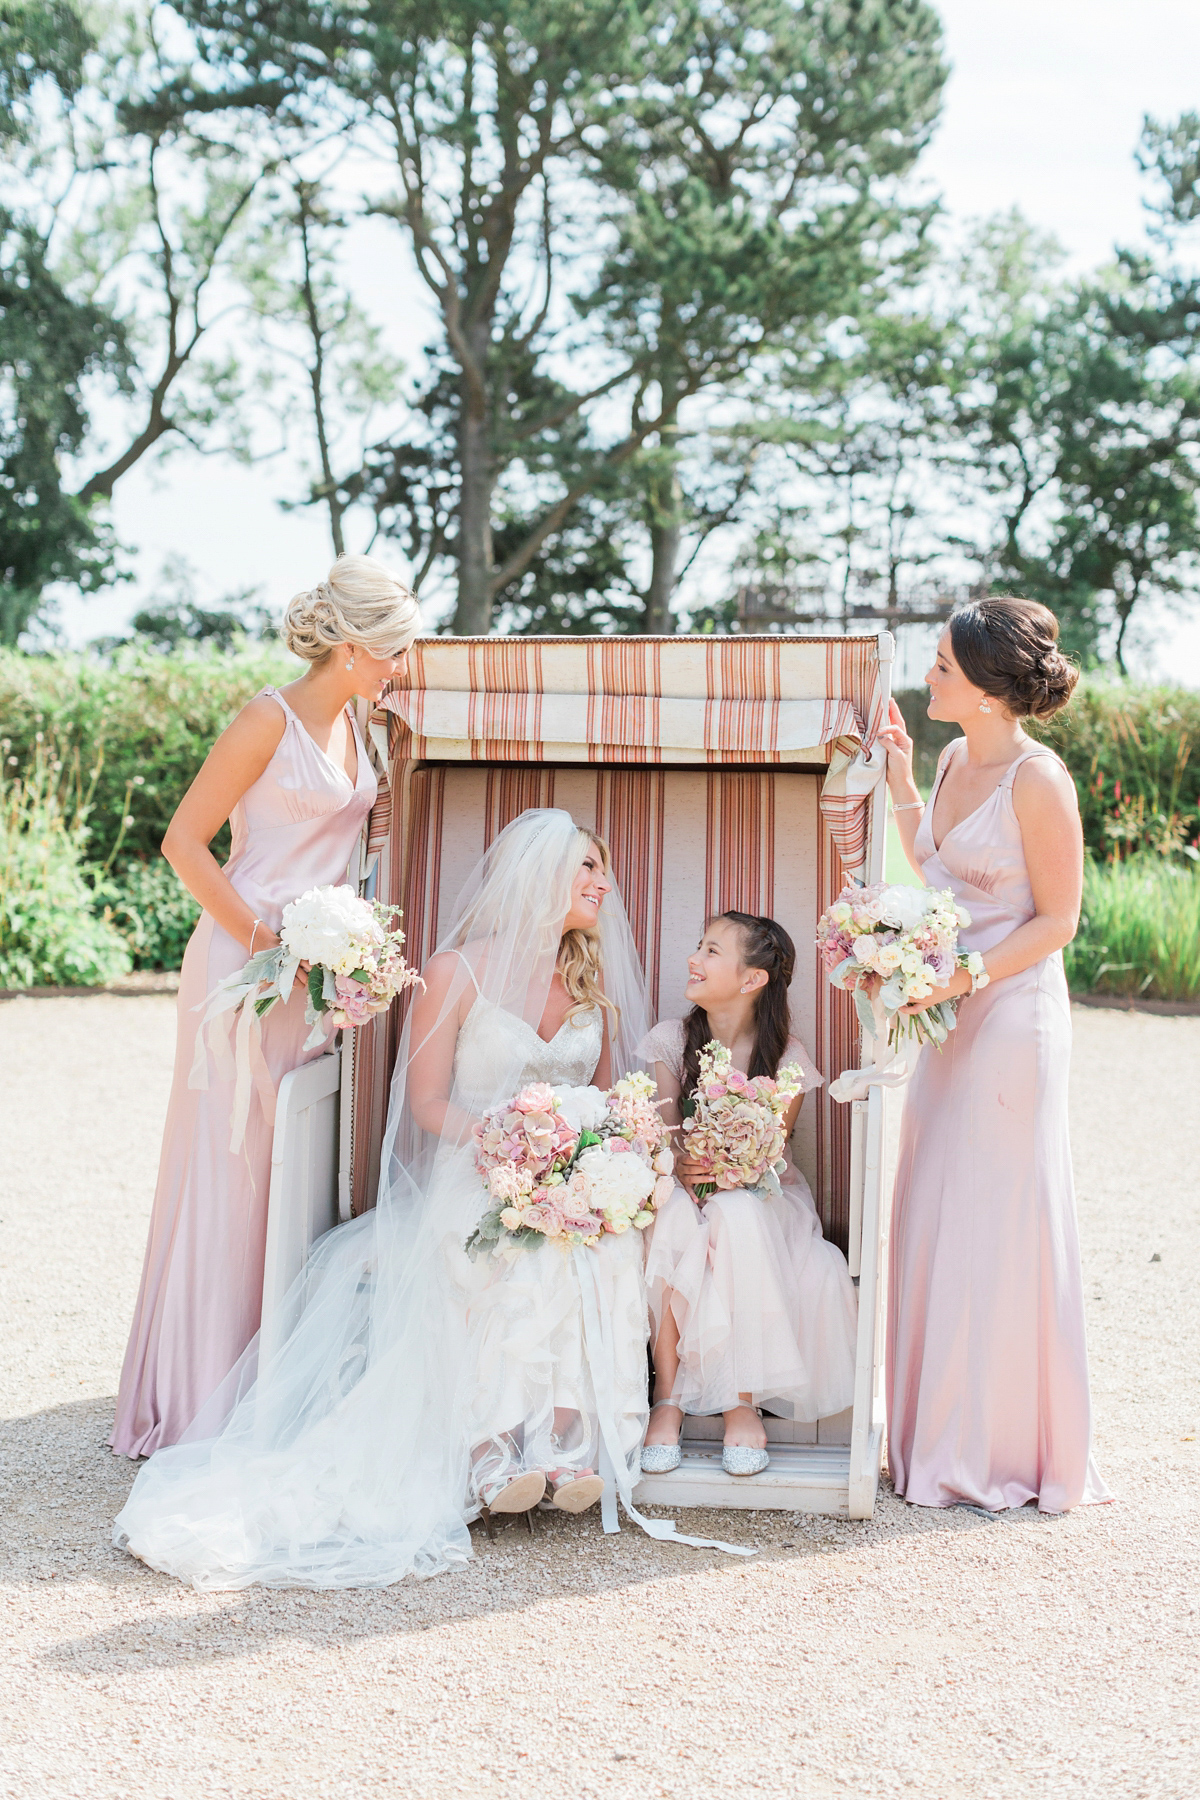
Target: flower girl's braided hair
{"points": [[360, 603], [765, 945]]}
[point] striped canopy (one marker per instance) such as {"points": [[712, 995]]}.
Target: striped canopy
{"points": [[725, 701]]}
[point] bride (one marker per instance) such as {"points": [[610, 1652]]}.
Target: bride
{"points": [[418, 1387]]}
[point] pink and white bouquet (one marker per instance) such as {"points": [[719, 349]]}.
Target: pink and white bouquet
{"points": [[570, 1164], [908, 937], [355, 956], [734, 1123]]}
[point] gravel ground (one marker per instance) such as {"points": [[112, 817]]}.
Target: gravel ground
{"points": [[943, 1655]]}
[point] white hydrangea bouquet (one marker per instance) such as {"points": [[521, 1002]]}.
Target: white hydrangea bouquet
{"points": [[569, 1165], [908, 937], [356, 969]]}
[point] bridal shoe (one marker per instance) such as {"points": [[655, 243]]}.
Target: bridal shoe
{"points": [[516, 1495], [572, 1493], [660, 1459]]}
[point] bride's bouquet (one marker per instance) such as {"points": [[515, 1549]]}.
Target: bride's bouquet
{"points": [[570, 1164], [908, 937], [355, 956], [734, 1123]]}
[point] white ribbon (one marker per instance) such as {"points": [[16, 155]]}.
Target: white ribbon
{"points": [[267, 976], [597, 1339], [888, 1069]]}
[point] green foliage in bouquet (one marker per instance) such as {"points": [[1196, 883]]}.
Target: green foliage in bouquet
{"points": [[144, 721], [50, 930]]}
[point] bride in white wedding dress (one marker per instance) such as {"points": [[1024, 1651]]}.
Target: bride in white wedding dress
{"points": [[418, 1386]]}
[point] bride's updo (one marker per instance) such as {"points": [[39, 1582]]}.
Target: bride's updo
{"points": [[1009, 648], [359, 602]]}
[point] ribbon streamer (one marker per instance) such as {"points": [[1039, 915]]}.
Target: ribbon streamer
{"points": [[269, 977], [888, 1069], [614, 1469]]}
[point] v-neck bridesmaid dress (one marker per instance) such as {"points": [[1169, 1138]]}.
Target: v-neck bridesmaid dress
{"points": [[201, 1292], [988, 1399]]}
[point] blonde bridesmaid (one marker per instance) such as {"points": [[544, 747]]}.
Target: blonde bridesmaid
{"points": [[291, 775], [988, 1399]]}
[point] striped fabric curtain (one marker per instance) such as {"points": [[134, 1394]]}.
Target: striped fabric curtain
{"points": [[723, 772]]}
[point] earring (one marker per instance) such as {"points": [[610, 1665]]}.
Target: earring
{"points": [[350, 665], [984, 707]]}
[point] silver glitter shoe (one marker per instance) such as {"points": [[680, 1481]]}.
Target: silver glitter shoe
{"points": [[660, 1459], [741, 1459]]}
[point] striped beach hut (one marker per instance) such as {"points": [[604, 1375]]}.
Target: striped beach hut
{"points": [[723, 772]]}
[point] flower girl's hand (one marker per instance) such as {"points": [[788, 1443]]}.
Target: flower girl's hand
{"points": [[688, 1171], [959, 983]]}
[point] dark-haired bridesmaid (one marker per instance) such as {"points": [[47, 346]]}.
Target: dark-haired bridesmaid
{"points": [[750, 1305], [988, 1400]]}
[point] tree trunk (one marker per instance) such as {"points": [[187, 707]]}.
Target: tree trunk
{"points": [[477, 478], [666, 533]]}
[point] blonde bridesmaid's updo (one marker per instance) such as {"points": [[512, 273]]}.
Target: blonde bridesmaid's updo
{"points": [[359, 602]]}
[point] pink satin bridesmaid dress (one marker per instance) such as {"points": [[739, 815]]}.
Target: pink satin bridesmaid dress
{"points": [[201, 1292], [988, 1398]]}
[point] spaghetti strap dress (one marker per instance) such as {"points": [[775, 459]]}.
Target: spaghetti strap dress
{"points": [[988, 1395], [201, 1291]]}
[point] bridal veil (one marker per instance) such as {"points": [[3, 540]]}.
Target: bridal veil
{"points": [[344, 1461]]}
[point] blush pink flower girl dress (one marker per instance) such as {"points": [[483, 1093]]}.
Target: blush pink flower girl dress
{"points": [[764, 1303], [201, 1291], [988, 1399]]}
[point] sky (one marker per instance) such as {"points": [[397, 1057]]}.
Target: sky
{"points": [[1042, 111]]}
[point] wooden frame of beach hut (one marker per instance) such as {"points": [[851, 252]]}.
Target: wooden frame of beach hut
{"points": [[723, 772]]}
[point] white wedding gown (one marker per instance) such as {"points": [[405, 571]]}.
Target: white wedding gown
{"points": [[414, 1374]]}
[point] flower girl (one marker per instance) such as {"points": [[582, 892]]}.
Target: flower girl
{"points": [[751, 1307]]}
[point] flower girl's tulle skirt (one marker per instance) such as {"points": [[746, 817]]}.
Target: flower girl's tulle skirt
{"points": [[764, 1305]]}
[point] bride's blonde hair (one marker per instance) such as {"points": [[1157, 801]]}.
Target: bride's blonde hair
{"points": [[579, 950]]}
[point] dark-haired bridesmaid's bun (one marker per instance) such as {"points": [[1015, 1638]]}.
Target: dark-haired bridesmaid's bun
{"points": [[1009, 648]]}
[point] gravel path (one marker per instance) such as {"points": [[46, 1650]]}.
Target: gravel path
{"points": [[944, 1655]]}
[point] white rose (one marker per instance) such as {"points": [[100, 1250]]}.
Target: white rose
{"points": [[888, 960], [910, 962], [865, 949]]}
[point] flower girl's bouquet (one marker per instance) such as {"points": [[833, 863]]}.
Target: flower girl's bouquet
{"points": [[570, 1165], [734, 1123], [908, 936]]}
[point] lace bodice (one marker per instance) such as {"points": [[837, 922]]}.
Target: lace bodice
{"points": [[486, 1044]]}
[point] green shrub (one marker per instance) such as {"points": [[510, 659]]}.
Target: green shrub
{"points": [[153, 911], [1132, 750], [1139, 932], [144, 719], [50, 931]]}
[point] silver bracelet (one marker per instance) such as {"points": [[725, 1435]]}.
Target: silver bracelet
{"points": [[909, 806]]}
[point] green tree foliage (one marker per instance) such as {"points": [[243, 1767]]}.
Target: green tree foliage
{"points": [[50, 342], [706, 177]]}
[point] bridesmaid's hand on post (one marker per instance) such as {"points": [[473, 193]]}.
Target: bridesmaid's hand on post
{"points": [[907, 805]]}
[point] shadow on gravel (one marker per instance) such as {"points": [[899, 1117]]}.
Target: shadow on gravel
{"points": [[62, 1487]]}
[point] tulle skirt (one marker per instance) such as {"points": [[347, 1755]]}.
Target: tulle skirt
{"points": [[354, 1458], [764, 1305], [534, 1403]]}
